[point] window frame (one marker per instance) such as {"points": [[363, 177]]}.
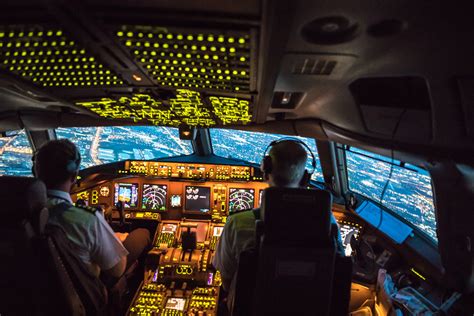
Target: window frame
{"points": [[361, 197], [316, 155], [191, 143]]}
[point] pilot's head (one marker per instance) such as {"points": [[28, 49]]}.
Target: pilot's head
{"points": [[284, 166], [56, 163]]}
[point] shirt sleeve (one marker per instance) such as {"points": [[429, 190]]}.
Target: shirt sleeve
{"points": [[224, 258], [107, 250]]}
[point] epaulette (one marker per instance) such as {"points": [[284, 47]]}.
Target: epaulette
{"points": [[89, 209]]}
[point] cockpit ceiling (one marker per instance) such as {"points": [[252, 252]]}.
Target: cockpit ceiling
{"points": [[246, 64], [144, 73]]}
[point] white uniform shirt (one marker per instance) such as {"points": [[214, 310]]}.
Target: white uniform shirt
{"points": [[94, 240]]}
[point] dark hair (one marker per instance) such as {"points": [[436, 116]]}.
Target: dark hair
{"points": [[56, 161]]}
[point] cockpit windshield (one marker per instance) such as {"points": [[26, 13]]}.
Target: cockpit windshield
{"points": [[15, 155], [100, 145], [250, 146], [408, 193]]}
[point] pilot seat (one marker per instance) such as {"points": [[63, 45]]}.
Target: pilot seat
{"points": [[33, 277], [294, 269]]}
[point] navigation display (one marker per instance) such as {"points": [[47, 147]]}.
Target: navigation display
{"points": [[154, 197], [197, 199], [241, 199], [127, 193], [176, 303], [169, 228], [347, 231]]}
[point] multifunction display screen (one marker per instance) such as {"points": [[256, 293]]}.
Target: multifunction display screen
{"points": [[127, 193], [197, 199], [154, 197], [241, 199]]}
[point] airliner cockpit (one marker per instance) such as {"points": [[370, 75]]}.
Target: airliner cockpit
{"points": [[174, 106]]}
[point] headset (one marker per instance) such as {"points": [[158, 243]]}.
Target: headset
{"points": [[72, 166], [267, 164]]}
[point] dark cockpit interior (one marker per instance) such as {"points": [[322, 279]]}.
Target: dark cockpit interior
{"points": [[173, 105]]}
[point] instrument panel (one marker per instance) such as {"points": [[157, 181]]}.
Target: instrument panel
{"points": [[176, 189]]}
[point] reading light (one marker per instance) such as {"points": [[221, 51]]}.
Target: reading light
{"points": [[187, 132], [136, 77]]}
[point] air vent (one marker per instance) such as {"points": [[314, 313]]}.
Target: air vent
{"points": [[313, 66]]}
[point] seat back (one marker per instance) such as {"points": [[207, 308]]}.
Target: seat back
{"points": [[33, 280], [294, 265]]}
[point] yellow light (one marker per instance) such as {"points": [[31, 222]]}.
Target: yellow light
{"points": [[179, 37], [130, 34], [232, 50], [418, 274], [189, 37], [169, 36], [242, 59], [241, 40], [200, 38]]}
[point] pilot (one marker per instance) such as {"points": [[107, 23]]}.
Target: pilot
{"points": [[57, 164], [288, 159]]}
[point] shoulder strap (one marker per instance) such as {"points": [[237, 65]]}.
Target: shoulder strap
{"points": [[61, 207], [89, 209]]}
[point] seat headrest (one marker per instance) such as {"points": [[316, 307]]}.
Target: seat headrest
{"points": [[22, 198], [296, 215]]}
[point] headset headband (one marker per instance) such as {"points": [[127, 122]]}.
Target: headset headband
{"points": [[275, 142]]}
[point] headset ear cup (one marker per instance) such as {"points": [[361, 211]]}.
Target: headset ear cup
{"points": [[305, 179]]}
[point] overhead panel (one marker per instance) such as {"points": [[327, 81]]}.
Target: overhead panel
{"points": [[191, 58], [47, 57], [186, 107]]}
